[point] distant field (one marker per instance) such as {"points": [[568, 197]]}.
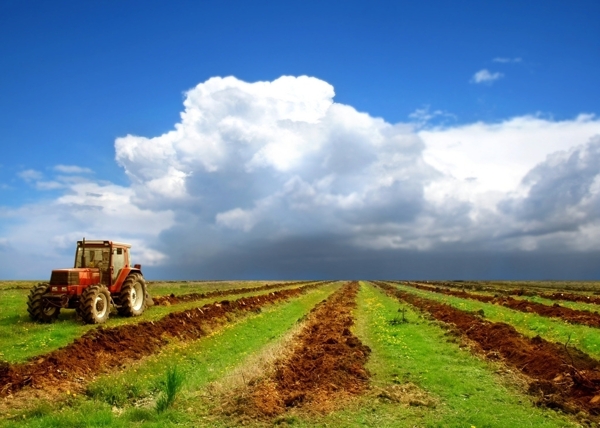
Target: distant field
{"points": [[338, 353]]}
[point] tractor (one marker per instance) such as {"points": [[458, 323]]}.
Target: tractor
{"points": [[101, 277]]}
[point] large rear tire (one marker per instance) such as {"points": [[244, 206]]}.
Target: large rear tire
{"points": [[133, 296], [94, 304], [39, 308]]}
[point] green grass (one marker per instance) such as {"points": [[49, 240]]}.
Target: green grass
{"points": [[587, 339], [580, 306], [466, 390], [111, 400], [20, 338]]}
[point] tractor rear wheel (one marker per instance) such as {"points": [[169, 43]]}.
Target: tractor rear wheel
{"points": [[133, 296], [39, 308], [94, 304]]}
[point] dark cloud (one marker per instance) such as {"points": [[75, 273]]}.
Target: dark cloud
{"points": [[563, 192], [329, 257]]}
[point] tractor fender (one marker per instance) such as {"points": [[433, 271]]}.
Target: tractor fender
{"points": [[125, 272]]}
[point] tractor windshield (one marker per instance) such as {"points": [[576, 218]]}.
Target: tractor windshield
{"points": [[94, 258]]}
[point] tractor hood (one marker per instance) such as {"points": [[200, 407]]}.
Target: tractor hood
{"points": [[75, 276]]}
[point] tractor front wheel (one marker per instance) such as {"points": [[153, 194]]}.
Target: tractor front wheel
{"points": [[94, 304], [39, 308], [133, 296]]}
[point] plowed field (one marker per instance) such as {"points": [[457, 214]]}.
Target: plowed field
{"points": [[306, 353], [570, 315]]}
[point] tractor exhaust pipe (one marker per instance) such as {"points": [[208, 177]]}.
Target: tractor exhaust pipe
{"points": [[83, 253]]}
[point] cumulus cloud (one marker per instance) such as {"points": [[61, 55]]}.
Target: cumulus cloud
{"points": [[275, 179], [279, 154], [485, 76], [559, 200]]}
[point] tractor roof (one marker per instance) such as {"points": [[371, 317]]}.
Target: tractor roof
{"points": [[103, 243]]}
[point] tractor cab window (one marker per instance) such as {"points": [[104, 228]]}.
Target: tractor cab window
{"points": [[118, 258], [94, 258]]}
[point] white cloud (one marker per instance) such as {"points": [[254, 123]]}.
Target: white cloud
{"points": [[47, 231], [72, 169], [505, 60], [485, 76], [498, 155], [30, 175], [424, 116]]}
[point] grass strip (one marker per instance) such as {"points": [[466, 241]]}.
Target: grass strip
{"points": [[585, 338], [573, 316], [580, 302], [127, 398]]}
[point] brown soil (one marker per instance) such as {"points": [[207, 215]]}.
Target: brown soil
{"points": [[561, 376], [326, 365], [573, 316], [558, 295], [571, 297], [104, 348], [173, 299]]}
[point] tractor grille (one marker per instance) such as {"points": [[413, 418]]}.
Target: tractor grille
{"points": [[64, 277]]}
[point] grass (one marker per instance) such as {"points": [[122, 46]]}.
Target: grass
{"points": [[129, 397], [21, 339], [465, 389], [587, 339], [549, 302]]}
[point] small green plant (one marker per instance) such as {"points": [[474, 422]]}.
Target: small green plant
{"points": [[397, 320], [170, 388]]}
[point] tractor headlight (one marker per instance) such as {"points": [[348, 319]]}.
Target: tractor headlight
{"points": [[54, 288], [63, 288]]}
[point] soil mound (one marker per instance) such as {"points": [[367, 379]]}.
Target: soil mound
{"points": [[173, 299], [573, 316], [327, 364]]}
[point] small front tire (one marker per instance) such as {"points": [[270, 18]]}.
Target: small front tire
{"points": [[39, 308]]}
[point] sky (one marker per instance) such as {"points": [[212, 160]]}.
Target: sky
{"points": [[296, 140]]}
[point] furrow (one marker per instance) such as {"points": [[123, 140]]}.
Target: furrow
{"points": [[104, 348], [560, 376]]}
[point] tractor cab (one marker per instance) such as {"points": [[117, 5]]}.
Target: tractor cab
{"points": [[108, 257]]}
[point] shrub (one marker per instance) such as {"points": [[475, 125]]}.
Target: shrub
{"points": [[172, 385]]}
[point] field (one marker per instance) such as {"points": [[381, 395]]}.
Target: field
{"points": [[311, 353]]}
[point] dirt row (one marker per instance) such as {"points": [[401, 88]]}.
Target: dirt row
{"points": [[560, 376], [173, 299], [566, 296], [326, 365], [101, 349], [574, 316]]}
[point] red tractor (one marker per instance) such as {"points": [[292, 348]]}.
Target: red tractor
{"points": [[102, 276]]}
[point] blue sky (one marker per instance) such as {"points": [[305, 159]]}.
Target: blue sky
{"points": [[471, 128]]}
